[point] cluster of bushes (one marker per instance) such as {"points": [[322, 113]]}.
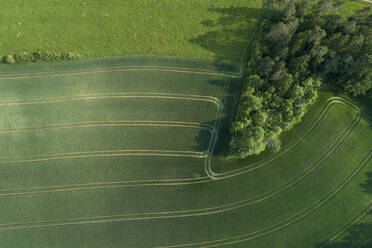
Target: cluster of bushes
{"points": [[300, 45], [39, 57]]}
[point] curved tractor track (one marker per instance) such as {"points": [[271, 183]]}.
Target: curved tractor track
{"points": [[211, 176]]}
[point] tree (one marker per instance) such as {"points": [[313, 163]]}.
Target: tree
{"points": [[279, 32], [250, 143], [301, 44]]}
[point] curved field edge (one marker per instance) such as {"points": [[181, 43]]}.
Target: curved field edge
{"points": [[293, 143]]}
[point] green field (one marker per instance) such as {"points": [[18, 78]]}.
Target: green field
{"points": [[193, 28], [128, 152]]}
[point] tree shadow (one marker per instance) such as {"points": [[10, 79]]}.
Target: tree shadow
{"points": [[230, 33], [359, 236], [224, 119], [367, 185]]}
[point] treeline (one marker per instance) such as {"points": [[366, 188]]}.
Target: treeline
{"points": [[300, 44], [45, 56]]}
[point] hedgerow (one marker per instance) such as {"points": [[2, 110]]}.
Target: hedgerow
{"points": [[44, 56]]}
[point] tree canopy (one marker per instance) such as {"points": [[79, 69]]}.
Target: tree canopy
{"points": [[300, 44]]}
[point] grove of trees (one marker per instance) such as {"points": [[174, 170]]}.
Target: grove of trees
{"points": [[299, 46]]}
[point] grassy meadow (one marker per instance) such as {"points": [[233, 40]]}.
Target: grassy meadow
{"points": [[196, 28]]}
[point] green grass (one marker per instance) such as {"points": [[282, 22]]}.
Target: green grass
{"points": [[66, 181], [197, 28], [98, 195], [350, 7]]}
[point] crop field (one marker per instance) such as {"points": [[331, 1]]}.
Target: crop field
{"points": [[127, 152]]}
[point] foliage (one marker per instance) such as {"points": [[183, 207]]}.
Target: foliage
{"points": [[39, 57], [300, 45]]}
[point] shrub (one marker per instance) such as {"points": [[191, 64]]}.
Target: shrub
{"points": [[9, 59], [44, 56]]}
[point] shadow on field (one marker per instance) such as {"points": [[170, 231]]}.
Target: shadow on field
{"points": [[223, 121], [367, 185], [230, 33], [359, 236]]}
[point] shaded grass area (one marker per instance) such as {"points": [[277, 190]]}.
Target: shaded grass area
{"points": [[232, 31], [106, 28]]}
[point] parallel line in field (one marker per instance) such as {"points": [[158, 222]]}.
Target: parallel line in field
{"points": [[115, 69], [108, 152], [161, 182], [102, 125], [284, 186], [108, 121], [216, 127], [138, 124], [104, 155], [110, 94], [101, 151], [316, 121], [110, 97], [232, 240], [105, 221], [210, 128], [109, 187], [231, 206], [293, 220], [347, 227]]}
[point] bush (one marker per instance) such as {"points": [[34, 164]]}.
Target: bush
{"points": [[44, 56], [9, 59]]}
